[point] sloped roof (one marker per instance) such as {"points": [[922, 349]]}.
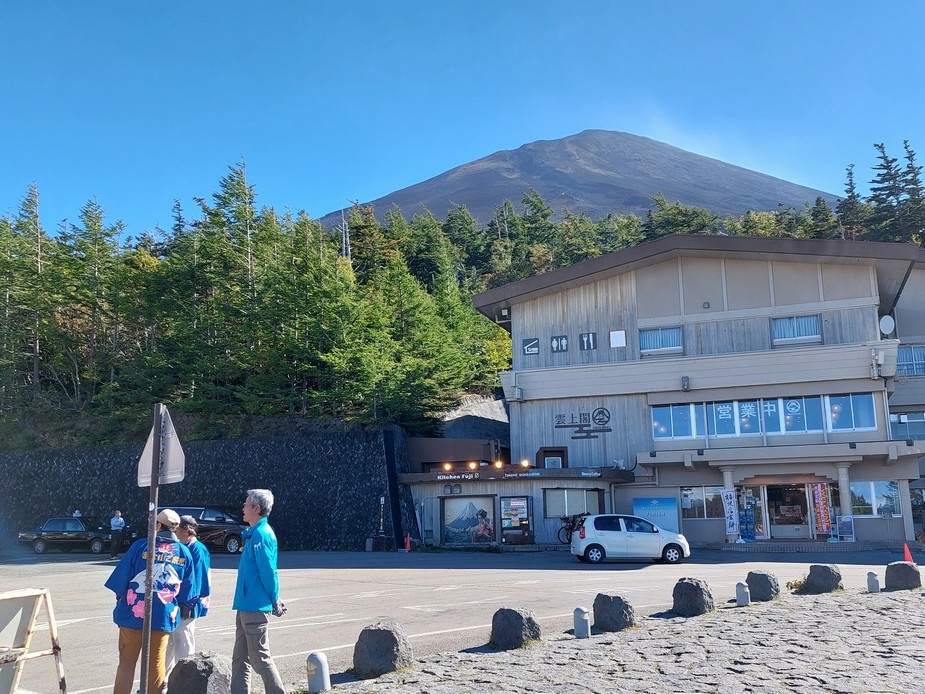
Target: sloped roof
{"points": [[893, 263]]}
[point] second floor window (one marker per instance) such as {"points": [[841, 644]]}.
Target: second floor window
{"points": [[911, 360], [666, 340], [794, 415], [795, 330]]}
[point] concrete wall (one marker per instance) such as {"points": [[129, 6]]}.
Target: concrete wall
{"points": [[327, 485]]}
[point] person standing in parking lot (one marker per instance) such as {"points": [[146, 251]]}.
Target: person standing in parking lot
{"points": [[116, 527], [173, 582], [256, 595], [182, 643]]}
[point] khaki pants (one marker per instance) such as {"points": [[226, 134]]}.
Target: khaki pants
{"points": [[252, 650], [129, 649], [182, 643]]}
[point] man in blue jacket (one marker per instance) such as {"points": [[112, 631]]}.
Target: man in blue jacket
{"points": [[182, 642], [173, 584], [256, 595]]}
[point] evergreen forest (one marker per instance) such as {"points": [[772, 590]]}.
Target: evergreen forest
{"points": [[239, 310]]}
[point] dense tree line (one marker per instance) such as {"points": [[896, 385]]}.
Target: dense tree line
{"points": [[239, 309]]}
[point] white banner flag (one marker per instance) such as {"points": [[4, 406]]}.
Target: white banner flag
{"points": [[731, 510]]}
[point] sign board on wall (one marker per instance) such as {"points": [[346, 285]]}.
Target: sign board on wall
{"points": [[662, 510]]}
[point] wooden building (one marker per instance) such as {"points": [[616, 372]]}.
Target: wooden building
{"points": [[789, 374]]}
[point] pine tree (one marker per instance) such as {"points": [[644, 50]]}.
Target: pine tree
{"points": [[852, 212], [912, 211], [886, 199], [674, 218], [824, 223]]}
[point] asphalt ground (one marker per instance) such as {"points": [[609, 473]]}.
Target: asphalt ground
{"points": [[444, 600]]}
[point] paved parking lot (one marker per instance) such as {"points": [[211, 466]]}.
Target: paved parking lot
{"points": [[444, 600]]}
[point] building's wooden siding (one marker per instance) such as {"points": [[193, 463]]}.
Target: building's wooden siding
{"points": [[723, 306], [840, 368], [630, 425], [598, 308]]}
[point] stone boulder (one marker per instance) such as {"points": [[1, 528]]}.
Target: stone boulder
{"points": [[201, 673], [691, 597], [762, 585], [381, 648], [822, 578], [902, 575], [513, 628], [613, 613]]}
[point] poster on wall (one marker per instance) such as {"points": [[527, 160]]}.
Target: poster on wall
{"points": [[468, 520], [821, 503], [845, 528], [663, 511]]}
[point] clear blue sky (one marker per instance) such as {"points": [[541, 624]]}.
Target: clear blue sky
{"points": [[138, 104]]}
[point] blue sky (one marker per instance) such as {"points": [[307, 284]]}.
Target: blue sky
{"points": [[333, 101]]}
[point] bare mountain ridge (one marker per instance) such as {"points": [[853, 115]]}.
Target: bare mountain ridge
{"points": [[596, 172]]}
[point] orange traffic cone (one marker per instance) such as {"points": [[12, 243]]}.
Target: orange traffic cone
{"points": [[408, 543], [907, 555]]}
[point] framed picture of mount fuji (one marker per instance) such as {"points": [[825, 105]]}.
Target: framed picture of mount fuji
{"points": [[468, 520]]}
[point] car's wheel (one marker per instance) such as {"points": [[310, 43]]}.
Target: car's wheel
{"points": [[672, 554], [594, 554], [39, 546], [232, 544], [96, 545]]}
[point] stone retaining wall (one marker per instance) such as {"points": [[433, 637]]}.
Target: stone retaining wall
{"points": [[327, 485]]}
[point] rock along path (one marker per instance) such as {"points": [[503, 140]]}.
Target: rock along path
{"points": [[847, 641]]}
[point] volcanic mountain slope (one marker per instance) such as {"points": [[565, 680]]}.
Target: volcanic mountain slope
{"points": [[596, 172]]}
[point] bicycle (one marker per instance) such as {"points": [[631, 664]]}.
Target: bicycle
{"points": [[568, 526]]}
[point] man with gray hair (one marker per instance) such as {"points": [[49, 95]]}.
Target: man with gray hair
{"points": [[256, 595]]}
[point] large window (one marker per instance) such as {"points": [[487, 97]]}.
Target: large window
{"points": [[733, 418], [795, 330], [800, 415], [559, 503], [911, 360], [875, 498], [660, 340], [854, 412], [676, 421], [702, 502], [796, 415]]}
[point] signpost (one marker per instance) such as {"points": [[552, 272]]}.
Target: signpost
{"points": [[161, 462]]}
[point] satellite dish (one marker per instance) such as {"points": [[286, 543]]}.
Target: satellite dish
{"points": [[886, 325]]}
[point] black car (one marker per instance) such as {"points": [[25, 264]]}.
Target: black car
{"points": [[68, 533], [217, 527]]}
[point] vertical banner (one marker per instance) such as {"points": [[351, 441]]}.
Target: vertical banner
{"points": [[732, 513], [821, 502]]}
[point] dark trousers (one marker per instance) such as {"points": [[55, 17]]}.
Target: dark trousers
{"points": [[115, 543]]}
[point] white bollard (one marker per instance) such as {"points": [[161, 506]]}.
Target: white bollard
{"points": [[743, 595], [582, 623], [316, 670], [873, 583]]}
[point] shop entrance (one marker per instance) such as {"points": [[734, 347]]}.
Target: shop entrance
{"points": [[788, 510]]}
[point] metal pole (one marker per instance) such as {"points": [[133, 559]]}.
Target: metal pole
{"points": [[157, 450]]}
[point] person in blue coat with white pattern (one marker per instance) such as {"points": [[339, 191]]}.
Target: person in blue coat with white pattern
{"points": [[173, 585]]}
